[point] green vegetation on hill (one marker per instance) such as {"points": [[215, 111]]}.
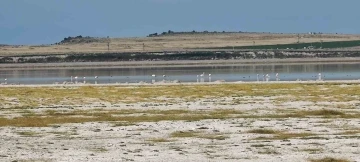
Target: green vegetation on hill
{"points": [[315, 45]]}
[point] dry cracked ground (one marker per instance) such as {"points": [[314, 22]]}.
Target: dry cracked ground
{"points": [[221, 122]]}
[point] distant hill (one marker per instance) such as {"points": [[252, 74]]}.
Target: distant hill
{"points": [[80, 39], [188, 41]]}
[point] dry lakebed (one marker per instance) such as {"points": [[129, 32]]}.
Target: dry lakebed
{"points": [[275, 121]]}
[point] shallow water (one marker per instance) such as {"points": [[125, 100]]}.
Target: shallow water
{"points": [[290, 72]]}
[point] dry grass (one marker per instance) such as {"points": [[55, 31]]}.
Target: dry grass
{"points": [[285, 136], [120, 116], [329, 159], [269, 151], [159, 140], [313, 150], [30, 97], [123, 124], [213, 136], [34, 160], [28, 134], [99, 150], [178, 42], [116, 94], [306, 114], [197, 134], [184, 134], [262, 131], [350, 132]]}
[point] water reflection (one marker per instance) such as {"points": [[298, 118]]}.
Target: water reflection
{"points": [[271, 72]]}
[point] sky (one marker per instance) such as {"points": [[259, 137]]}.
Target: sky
{"points": [[49, 21]]}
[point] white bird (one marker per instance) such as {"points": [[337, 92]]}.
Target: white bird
{"points": [[209, 75], [5, 79], [153, 75], [202, 74], [96, 77], [164, 76]]}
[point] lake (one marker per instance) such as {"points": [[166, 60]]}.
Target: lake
{"points": [[288, 72]]}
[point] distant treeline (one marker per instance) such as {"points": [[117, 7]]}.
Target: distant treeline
{"points": [[111, 57], [170, 32]]}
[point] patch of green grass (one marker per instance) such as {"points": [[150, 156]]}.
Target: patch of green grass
{"points": [[329, 159]]}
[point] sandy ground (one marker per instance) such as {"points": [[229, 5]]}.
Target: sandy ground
{"points": [[176, 43], [102, 141]]}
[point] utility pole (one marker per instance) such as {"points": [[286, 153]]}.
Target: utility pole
{"points": [[298, 37], [321, 41], [108, 43], [298, 40]]}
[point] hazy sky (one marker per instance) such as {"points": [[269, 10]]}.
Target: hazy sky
{"points": [[49, 21]]}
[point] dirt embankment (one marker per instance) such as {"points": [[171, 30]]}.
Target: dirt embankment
{"points": [[237, 56]]}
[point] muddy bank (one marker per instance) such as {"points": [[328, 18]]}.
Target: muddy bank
{"points": [[243, 56], [180, 63]]}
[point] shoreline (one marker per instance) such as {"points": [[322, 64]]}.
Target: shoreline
{"points": [[180, 63], [183, 84]]}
